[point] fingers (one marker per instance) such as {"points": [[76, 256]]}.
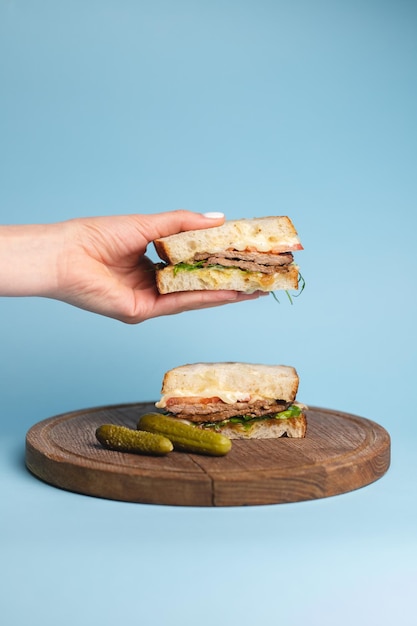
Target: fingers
{"points": [[170, 304], [173, 222]]}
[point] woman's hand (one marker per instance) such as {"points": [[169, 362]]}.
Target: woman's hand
{"points": [[100, 264]]}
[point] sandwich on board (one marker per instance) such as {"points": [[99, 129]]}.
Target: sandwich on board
{"points": [[243, 255], [239, 400]]}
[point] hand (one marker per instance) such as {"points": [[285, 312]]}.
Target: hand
{"points": [[99, 264]]}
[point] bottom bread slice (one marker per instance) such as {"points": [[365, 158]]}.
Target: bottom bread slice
{"points": [[169, 280], [295, 427]]}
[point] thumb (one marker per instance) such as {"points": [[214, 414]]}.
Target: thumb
{"points": [[173, 222]]}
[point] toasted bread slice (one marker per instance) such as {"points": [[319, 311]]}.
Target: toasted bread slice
{"points": [[264, 234], [230, 381], [169, 280]]}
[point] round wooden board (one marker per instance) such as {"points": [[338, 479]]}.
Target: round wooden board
{"points": [[341, 452]]}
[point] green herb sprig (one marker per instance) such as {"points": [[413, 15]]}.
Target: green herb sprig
{"points": [[302, 284]]}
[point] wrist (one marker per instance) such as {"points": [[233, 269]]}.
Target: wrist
{"points": [[28, 260]]}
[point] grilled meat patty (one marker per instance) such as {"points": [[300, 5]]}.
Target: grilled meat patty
{"points": [[214, 410], [264, 262]]}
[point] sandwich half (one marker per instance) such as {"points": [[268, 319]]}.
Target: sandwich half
{"points": [[239, 400], [243, 255]]}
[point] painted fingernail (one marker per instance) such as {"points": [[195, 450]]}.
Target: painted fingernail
{"points": [[253, 295], [214, 215]]}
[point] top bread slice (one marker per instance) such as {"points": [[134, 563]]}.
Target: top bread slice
{"points": [[263, 234], [231, 382]]}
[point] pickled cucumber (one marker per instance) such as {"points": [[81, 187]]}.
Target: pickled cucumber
{"points": [[185, 437], [126, 439]]}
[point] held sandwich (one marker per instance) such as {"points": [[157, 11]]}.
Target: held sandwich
{"points": [[238, 400], [242, 255]]}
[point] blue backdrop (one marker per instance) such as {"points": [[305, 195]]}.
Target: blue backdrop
{"points": [[302, 108]]}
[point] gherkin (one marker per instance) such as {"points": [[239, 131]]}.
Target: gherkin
{"points": [[185, 437], [126, 439]]}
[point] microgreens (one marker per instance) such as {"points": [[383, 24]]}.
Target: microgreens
{"points": [[301, 281]]}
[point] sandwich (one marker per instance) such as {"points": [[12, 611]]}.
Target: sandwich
{"points": [[238, 400], [243, 255]]}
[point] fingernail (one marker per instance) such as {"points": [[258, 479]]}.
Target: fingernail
{"points": [[257, 294], [214, 215], [248, 296]]}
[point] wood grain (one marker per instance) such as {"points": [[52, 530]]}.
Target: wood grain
{"points": [[340, 453]]}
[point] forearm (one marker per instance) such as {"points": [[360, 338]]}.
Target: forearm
{"points": [[28, 259]]}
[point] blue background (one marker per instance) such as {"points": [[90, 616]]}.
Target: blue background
{"points": [[252, 108]]}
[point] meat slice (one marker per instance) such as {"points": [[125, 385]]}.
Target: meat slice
{"points": [[217, 411], [253, 261]]}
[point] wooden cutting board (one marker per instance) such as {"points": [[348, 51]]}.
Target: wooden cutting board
{"points": [[341, 452]]}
